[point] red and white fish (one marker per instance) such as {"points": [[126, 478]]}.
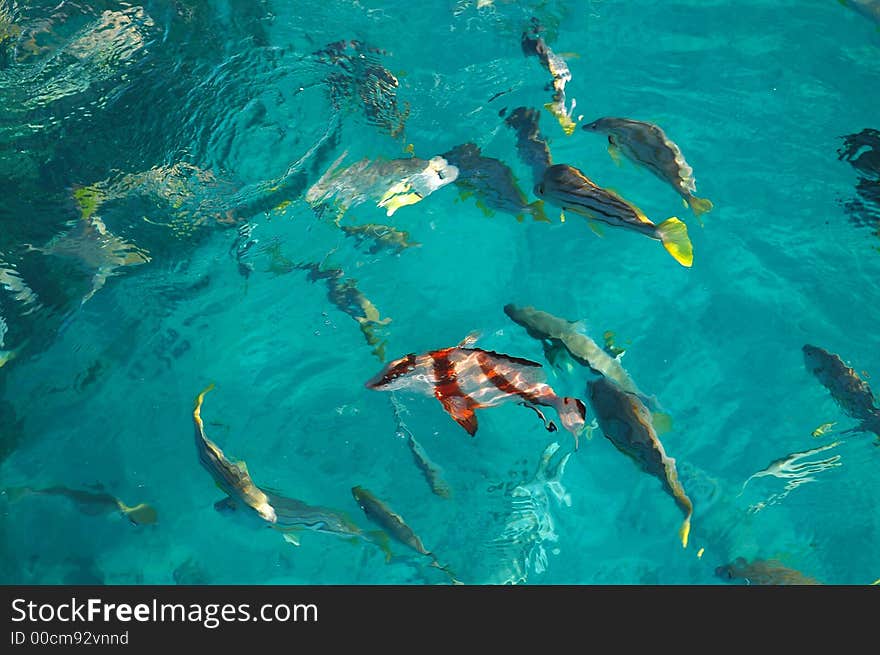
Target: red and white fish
{"points": [[467, 379]]}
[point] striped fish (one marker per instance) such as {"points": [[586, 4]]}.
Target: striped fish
{"points": [[626, 423], [568, 188], [848, 390], [647, 145], [466, 379]]}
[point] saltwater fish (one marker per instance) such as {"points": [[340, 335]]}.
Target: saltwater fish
{"points": [[392, 523], [467, 379], [382, 237], [557, 332], [851, 393], [90, 502], [431, 471], [530, 143], [867, 8], [568, 188], [493, 183], [763, 572], [626, 423], [232, 477], [554, 64], [647, 145]]}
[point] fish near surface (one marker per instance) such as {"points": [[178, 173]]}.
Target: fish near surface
{"points": [[91, 502], [763, 572], [647, 145], [626, 423], [850, 392], [467, 379], [493, 182], [568, 188], [531, 146], [536, 46], [558, 331]]}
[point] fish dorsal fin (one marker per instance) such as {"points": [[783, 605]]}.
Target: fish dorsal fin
{"points": [[470, 339]]}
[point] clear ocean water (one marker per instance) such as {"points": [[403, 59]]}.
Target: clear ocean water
{"points": [[193, 129]]}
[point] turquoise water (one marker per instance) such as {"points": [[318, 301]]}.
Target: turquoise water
{"points": [[189, 116]]}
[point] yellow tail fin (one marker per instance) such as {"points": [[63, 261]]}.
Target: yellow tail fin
{"points": [[537, 209], [700, 205], [674, 235]]}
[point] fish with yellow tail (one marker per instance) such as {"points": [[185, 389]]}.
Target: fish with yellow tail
{"points": [[647, 145], [90, 502], [466, 379], [763, 572], [849, 391], [626, 423], [493, 183], [383, 516], [568, 188], [534, 45]]}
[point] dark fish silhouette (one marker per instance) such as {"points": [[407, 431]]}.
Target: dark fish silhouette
{"points": [[763, 572], [849, 391], [530, 143], [91, 502], [626, 423]]}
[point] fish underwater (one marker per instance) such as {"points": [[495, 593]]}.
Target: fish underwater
{"points": [[557, 332], [383, 237], [530, 143], [646, 144], [494, 184], [763, 572], [90, 502], [626, 423], [558, 69], [568, 188], [391, 522], [391, 184], [465, 379], [284, 514], [867, 8], [851, 393], [432, 473]]}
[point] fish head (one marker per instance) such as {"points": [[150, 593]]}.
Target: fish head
{"points": [[394, 376], [604, 125], [814, 357], [360, 495], [560, 183]]}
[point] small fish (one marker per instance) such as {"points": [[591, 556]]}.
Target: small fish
{"points": [[383, 237], [763, 572], [91, 502], [433, 474], [345, 295], [394, 525], [530, 143], [791, 466], [466, 379], [558, 69], [646, 144], [570, 336], [626, 423], [823, 429], [232, 477], [493, 182], [851, 393], [568, 188]]}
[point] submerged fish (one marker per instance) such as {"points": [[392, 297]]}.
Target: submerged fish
{"points": [[232, 477], [394, 525], [557, 332], [862, 151], [867, 8], [282, 513], [383, 237], [763, 572], [558, 69], [568, 188], [626, 423], [432, 472], [530, 143], [91, 502], [466, 379], [849, 391], [391, 184], [647, 145], [492, 181], [345, 295]]}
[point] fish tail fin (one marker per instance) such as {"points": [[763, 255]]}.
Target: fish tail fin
{"points": [[537, 210], [201, 397], [685, 531], [699, 206], [447, 571], [674, 236], [142, 514]]}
